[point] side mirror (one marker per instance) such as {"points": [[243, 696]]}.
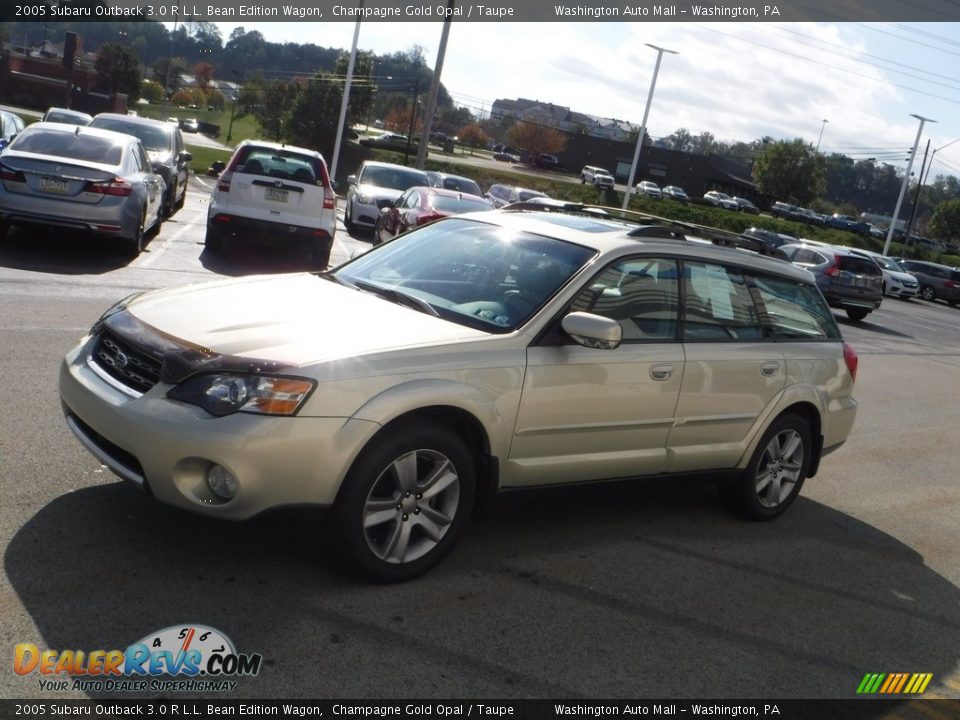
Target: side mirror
{"points": [[185, 156], [351, 179], [593, 331], [333, 184], [385, 203]]}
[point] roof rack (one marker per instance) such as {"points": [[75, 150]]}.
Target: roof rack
{"points": [[652, 226]]}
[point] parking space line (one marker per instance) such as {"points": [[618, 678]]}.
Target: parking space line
{"points": [[148, 258]]}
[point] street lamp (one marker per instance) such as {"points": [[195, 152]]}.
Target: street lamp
{"points": [[903, 187], [823, 124], [233, 110], [643, 124]]}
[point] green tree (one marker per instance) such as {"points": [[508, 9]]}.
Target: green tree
{"points": [[314, 113], [790, 170], [151, 91], [473, 136], [945, 223], [118, 71], [273, 112]]}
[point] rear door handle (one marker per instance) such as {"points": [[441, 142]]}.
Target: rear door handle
{"points": [[769, 368], [661, 372]]}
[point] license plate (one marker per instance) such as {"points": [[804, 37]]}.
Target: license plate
{"points": [[276, 195], [860, 282], [54, 185]]}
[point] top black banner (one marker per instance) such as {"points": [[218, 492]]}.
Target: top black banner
{"points": [[250, 11]]}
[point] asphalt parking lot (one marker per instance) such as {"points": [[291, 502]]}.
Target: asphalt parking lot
{"points": [[617, 591]]}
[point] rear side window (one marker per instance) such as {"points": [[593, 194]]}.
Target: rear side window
{"points": [[858, 265], [717, 305], [795, 311]]}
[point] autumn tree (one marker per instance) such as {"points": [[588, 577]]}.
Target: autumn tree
{"points": [[536, 139], [473, 135], [203, 73]]}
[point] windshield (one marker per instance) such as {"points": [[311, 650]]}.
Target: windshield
{"points": [[471, 273], [395, 178], [886, 263]]}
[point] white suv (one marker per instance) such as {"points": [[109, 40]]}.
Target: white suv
{"points": [[596, 176], [272, 194]]}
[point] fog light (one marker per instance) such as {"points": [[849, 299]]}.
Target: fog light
{"points": [[222, 482]]}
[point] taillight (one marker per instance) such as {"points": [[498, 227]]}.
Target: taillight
{"points": [[850, 358], [10, 174], [950, 284], [429, 218], [117, 186], [223, 184], [329, 200], [834, 270]]}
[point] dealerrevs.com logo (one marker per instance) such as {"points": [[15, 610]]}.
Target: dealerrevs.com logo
{"points": [[201, 658]]}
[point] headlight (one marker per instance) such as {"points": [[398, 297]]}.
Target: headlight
{"points": [[225, 393], [364, 200]]}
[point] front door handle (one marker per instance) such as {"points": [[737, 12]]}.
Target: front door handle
{"points": [[661, 372]]}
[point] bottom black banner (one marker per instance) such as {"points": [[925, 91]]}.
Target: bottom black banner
{"points": [[900, 709]]}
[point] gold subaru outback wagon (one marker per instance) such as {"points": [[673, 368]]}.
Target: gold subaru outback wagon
{"points": [[530, 346]]}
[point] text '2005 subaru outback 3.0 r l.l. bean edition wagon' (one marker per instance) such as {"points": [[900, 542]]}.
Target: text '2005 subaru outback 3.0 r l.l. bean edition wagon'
{"points": [[489, 351]]}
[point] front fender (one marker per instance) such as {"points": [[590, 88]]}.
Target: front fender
{"points": [[493, 403]]}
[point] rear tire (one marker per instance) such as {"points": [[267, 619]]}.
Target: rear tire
{"points": [[135, 244], [213, 239], [857, 314], [776, 472], [405, 502], [928, 293], [321, 255]]}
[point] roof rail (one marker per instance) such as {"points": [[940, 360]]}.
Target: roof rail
{"points": [[651, 226]]}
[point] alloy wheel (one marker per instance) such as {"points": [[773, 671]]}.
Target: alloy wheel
{"points": [[779, 468]]}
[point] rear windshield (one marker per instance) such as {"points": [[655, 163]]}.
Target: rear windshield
{"points": [[858, 265], [153, 138], [282, 165], [87, 148], [458, 205]]}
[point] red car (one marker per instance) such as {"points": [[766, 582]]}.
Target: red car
{"points": [[421, 205]]}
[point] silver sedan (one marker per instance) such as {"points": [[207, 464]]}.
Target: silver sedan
{"points": [[80, 178]]}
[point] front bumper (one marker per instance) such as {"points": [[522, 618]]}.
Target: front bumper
{"points": [[167, 447]]}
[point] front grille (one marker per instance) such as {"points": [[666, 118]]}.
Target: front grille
{"points": [[126, 363]]}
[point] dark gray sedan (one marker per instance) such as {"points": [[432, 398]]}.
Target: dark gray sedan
{"points": [[80, 178]]}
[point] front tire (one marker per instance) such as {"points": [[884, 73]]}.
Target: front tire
{"points": [[405, 502], [857, 314], [348, 218], [776, 472]]}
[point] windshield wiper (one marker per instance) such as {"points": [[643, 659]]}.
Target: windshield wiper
{"points": [[398, 297]]}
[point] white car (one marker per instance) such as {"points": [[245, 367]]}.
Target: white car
{"points": [[896, 280], [373, 184], [650, 189], [722, 200], [597, 176], [277, 195]]}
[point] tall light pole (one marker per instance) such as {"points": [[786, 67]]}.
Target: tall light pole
{"points": [[906, 180], [923, 179], [643, 124], [823, 124]]}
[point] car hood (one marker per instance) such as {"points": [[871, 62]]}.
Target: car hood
{"points": [[291, 319], [901, 276], [377, 192]]}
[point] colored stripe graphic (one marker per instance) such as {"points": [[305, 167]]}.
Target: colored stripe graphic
{"points": [[894, 683]]}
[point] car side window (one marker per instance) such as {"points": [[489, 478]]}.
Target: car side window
{"points": [[795, 310], [717, 305], [805, 256], [639, 293]]}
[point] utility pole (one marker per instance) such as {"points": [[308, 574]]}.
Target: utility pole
{"points": [[903, 187], [434, 89], [413, 121]]}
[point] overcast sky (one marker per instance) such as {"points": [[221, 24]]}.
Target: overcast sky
{"points": [[739, 81]]}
